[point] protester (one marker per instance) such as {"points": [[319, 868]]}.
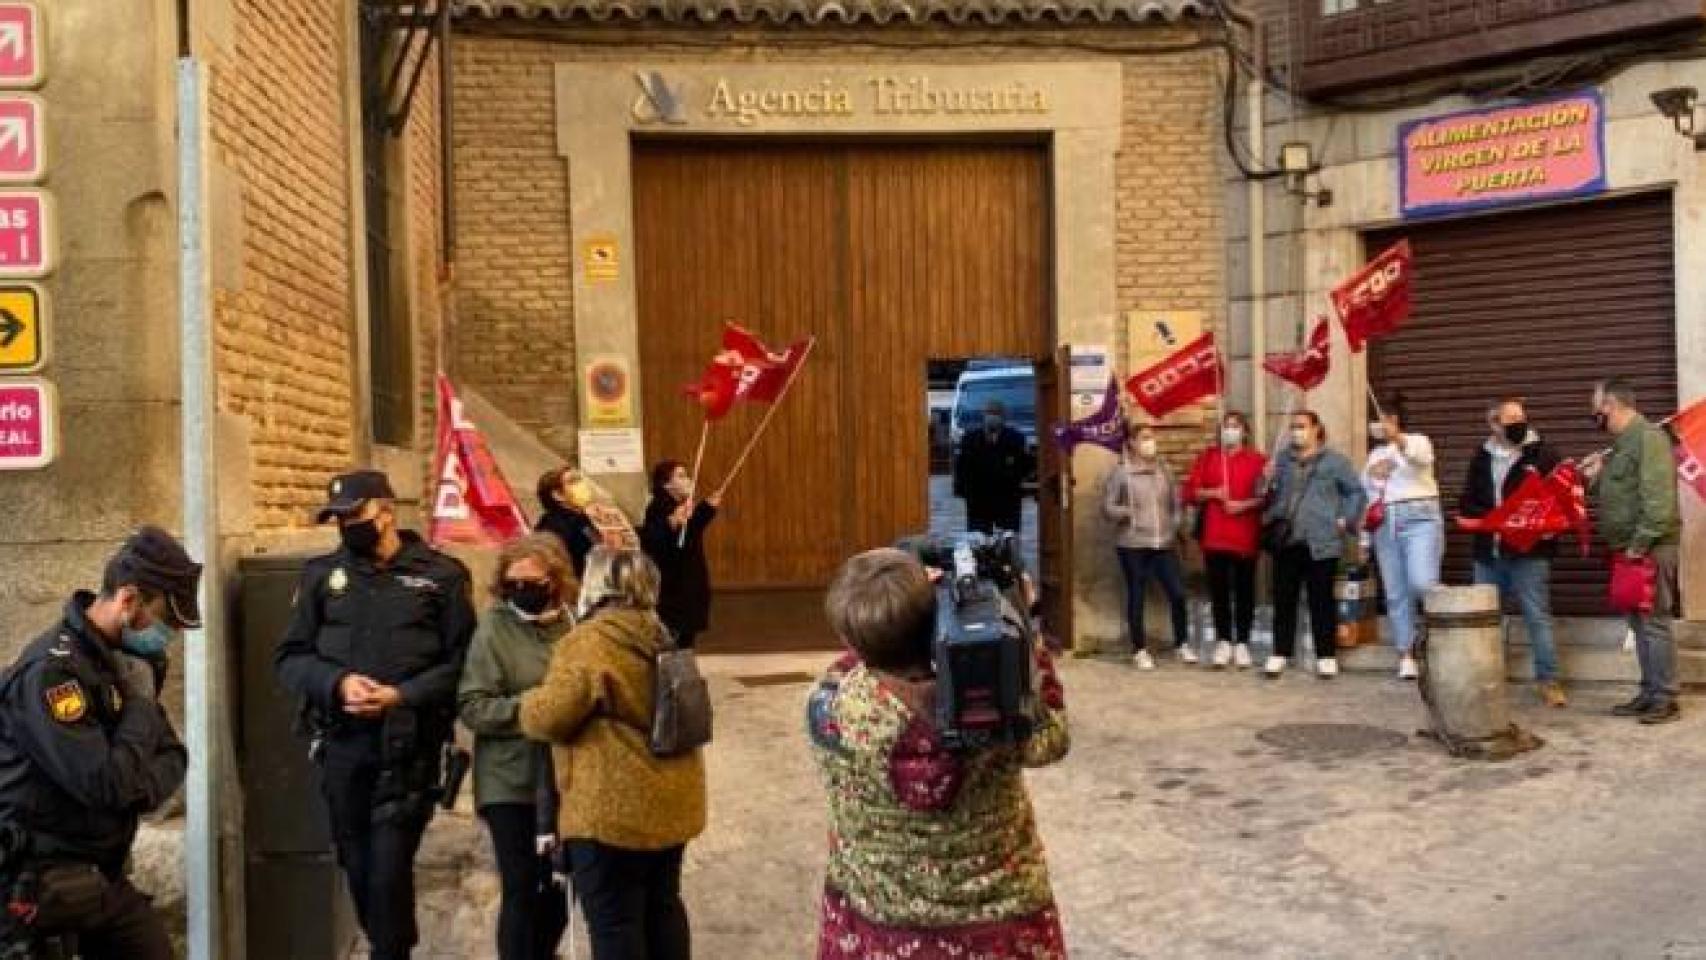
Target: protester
{"points": [[933, 853], [86, 749], [990, 470], [1634, 489], [531, 612], [564, 494], [627, 815], [1226, 483], [1141, 497], [1409, 542], [375, 648], [685, 605], [1514, 451], [1314, 500]]}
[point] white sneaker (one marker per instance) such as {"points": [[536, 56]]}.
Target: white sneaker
{"points": [[1188, 654], [1407, 668], [1241, 656], [1327, 668], [1222, 655], [1143, 661], [1275, 666]]}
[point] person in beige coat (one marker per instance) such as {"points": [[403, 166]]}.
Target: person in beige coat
{"points": [[626, 815]]}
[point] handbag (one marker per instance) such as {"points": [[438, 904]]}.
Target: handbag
{"points": [[1634, 584], [681, 704], [1277, 533]]}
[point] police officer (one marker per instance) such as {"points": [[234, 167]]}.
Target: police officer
{"points": [[85, 749], [375, 649]]}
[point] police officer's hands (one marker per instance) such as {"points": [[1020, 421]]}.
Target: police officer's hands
{"points": [[364, 697], [135, 677], [354, 689]]}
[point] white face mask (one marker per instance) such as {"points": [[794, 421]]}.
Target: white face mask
{"points": [[1147, 448], [1299, 438], [681, 487], [1232, 436]]}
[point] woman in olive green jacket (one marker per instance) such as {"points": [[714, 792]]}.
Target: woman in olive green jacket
{"points": [[506, 659]]}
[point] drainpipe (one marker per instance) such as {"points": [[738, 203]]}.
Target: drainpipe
{"points": [[1255, 97], [202, 653]]}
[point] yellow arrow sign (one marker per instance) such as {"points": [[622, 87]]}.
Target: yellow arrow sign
{"points": [[23, 328]]}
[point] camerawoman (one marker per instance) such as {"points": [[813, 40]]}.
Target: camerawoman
{"points": [[934, 848]]}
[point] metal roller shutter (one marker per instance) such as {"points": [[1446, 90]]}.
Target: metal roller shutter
{"points": [[1538, 304]]}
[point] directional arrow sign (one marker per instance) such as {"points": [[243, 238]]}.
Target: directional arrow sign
{"points": [[23, 328], [22, 157], [26, 234], [29, 424], [20, 45]]}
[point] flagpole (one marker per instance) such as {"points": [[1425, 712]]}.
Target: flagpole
{"points": [[764, 424], [698, 461], [1219, 424]]}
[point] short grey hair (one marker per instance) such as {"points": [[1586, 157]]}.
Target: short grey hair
{"points": [[621, 578], [1619, 389]]}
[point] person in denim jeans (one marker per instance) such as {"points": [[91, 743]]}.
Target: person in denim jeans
{"points": [[1142, 500], [1410, 544], [1513, 452]]}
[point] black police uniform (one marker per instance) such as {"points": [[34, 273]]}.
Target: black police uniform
{"points": [[79, 763], [406, 624]]}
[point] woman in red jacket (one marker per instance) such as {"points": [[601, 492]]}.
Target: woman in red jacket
{"points": [[1226, 482]]}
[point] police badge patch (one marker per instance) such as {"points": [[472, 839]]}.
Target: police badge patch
{"points": [[66, 702]]}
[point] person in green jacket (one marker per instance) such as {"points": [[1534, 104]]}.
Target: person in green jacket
{"points": [[1634, 487], [513, 784]]}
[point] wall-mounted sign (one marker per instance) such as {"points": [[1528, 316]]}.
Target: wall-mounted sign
{"points": [[20, 45], [29, 424], [23, 328], [831, 95], [23, 158], [26, 234], [609, 392], [612, 451], [601, 260], [1489, 158]]}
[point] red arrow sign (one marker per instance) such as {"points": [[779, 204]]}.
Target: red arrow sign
{"points": [[20, 45], [22, 159], [28, 435], [26, 234]]}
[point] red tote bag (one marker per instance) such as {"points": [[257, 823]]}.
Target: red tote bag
{"points": [[1634, 584]]}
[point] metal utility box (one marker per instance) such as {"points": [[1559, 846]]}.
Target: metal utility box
{"points": [[297, 906]]}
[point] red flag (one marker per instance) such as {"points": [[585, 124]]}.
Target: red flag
{"points": [[1377, 300], [1541, 506], [472, 504], [717, 390], [764, 372], [1305, 368], [1690, 429], [1191, 374]]}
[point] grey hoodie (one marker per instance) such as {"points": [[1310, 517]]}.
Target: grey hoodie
{"points": [[1143, 502]]}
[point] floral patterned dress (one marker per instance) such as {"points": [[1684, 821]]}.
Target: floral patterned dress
{"points": [[932, 854]]}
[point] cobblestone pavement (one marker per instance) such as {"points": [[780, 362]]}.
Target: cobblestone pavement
{"points": [[1175, 832], [948, 516]]}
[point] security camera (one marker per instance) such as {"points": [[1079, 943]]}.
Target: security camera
{"points": [[1677, 104]]}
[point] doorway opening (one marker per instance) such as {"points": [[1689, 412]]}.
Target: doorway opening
{"points": [[984, 454]]}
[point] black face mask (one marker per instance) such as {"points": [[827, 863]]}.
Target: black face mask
{"points": [[1602, 421], [1516, 433], [361, 539], [528, 596]]}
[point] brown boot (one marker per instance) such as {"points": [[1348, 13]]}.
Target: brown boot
{"points": [[1552, 694]]}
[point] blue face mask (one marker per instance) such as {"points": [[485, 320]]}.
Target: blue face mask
{"points": [[151, 641]]}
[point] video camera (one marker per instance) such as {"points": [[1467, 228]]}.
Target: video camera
{"points": [[983, 646]]}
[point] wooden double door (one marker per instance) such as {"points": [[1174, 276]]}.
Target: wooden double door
{"points": [[890, 254]]}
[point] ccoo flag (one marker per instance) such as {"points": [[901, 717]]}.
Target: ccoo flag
{"points": [[1689, 426], [471, 504], [1308, 367], [746, 369], [1189, 375], [1376, 301]]}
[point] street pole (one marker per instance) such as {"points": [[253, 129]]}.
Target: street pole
{"points": [[202, 649]]}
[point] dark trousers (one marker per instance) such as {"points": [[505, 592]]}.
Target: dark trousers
{"points": [[988, 516], [1140, 566], [632, 901], [1232, 594], [1297, 572], [123, 927], [378, 858], [535, 912]]}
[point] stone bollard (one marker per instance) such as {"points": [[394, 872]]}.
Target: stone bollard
{"points": [[1463, 674]]}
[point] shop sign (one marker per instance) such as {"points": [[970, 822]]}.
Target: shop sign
{"points": [[26, 234], [22, 159], [1509, 155], [29, 438], [835, 96]]}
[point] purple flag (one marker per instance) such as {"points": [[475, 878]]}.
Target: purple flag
{"points": [[1104, 428]]}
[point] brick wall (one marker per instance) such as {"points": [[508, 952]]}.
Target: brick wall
{"points": [[285, 314], [515, 301]]}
